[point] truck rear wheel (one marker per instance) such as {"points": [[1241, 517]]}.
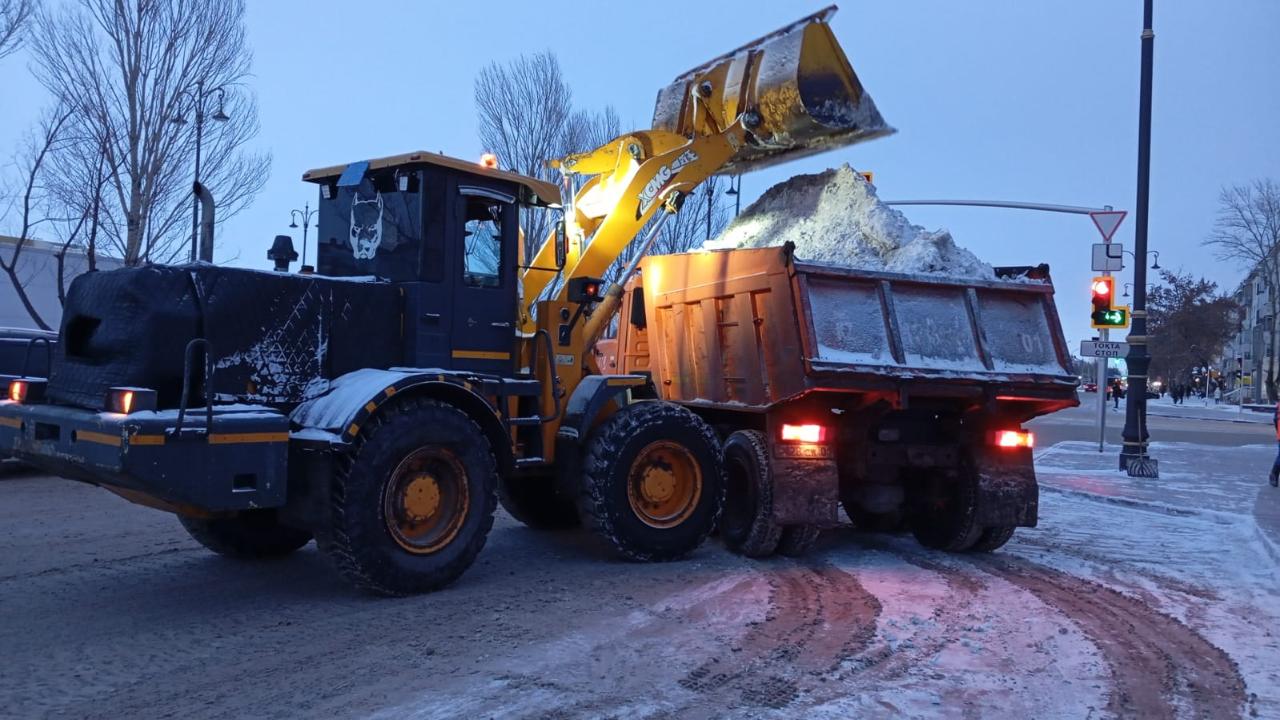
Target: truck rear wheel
{"points": [[946, 520], [535, 502], [798, 540], [653, 481], [993, 538], [747, 525], [246, 535], [414, 503]]}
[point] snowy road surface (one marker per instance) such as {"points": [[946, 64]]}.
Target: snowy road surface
{"points": [[1153, 599]]}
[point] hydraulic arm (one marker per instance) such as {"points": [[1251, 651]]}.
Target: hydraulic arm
{"points": [[789, 93]]}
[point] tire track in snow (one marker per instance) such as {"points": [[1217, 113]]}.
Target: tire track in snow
{"points": [[1159, 666], [817, 617]]}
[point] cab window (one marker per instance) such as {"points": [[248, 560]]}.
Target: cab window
{"points": [[482, 242]]}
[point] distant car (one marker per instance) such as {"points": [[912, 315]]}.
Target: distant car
{"points": [[1153, 395], [1091, 387]]}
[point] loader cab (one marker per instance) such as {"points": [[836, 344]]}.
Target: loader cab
{"points": [[447, 232]]}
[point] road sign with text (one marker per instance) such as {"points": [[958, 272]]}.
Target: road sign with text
{"points": [[1097, 348]]}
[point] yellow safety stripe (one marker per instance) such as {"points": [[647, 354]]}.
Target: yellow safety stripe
{"points": [[146, 440], [97, 437], [480, 355], [240, 438], [10, 422], [624, 381]]}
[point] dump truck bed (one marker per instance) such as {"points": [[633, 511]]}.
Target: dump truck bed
{"points": [[746, 329]]}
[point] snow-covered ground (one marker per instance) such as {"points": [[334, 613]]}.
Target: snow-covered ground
{"points": [[1134, 598]]}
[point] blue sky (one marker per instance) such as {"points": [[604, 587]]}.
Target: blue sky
{"points": [[1031, 101]]}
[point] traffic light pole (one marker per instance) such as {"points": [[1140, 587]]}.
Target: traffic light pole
{"points": [[1138, 361], [1100, 373]]}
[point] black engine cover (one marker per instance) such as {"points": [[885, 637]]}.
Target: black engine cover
{"points": [[276, 338]]}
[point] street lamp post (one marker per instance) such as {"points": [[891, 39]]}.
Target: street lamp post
{"points": [[735, 191], [1133, 456], [306, 213], [198, 98]]}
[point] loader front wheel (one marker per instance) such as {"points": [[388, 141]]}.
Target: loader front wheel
{"points": [[413, 504], [653, 481], [246, 535], [747, 526]]}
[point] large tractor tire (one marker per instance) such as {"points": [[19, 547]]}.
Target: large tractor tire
{"points": [[535, 502], [747, 525], [653, 481], [949, 520], [247, 535], [413, 504]]}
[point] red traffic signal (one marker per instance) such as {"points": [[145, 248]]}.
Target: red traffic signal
{"points": [[1106, 315]]}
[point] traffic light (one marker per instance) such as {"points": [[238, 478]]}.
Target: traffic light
{"points": [[1106, 315]]}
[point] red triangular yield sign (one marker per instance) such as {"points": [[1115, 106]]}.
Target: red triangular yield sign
{"points": [[1107, 221]]}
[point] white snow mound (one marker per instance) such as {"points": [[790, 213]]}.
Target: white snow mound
{"points": [[834, 217]]}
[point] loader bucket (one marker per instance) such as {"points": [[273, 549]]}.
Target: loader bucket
{"points": [[797, 82]]}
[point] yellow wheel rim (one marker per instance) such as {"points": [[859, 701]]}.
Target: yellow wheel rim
{"points": [[664, 485], [425, 501]]}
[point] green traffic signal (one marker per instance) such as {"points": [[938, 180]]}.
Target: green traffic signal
{"points": [[1112, 318]]}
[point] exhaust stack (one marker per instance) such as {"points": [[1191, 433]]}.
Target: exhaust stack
{"points": [[206, 221]]}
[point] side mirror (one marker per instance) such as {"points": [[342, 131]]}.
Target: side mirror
{"points": [[562, 245]]}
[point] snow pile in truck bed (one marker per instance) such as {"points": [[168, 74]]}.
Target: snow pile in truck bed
{"points": [[835, 217]]}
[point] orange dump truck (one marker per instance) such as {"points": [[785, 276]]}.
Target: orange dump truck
{"points": [[900, 397]]}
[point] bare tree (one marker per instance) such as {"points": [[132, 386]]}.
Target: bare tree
{"points": [[29, 202], [1247, 231], [128, 69], [526, 118], [14, 16]]}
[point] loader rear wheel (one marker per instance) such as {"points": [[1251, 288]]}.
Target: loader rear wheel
{"points": [[247, 535], [946, 520], [653, 481], [993, 538], [413, 504], [747, 525], [798, 540], [535, 502]]}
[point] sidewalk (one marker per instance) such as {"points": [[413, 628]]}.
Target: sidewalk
{"points": [[1194, 479], [1195, 409]]}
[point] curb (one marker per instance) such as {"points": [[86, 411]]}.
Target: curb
{"points": [[1210, 419]]}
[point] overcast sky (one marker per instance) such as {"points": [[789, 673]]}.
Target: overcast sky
{"points": [[1015, 100]]}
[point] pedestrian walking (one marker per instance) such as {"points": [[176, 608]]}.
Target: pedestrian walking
{"points": [[1116, 392], [1275, 466]]}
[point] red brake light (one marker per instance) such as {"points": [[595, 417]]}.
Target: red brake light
{"points": [[126, 401], [17, 391], [804, 433], [1014, 439]]}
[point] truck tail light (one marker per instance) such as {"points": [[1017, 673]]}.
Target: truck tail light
{"points": [[804, 433], [1014, 439], [18, 391], [125, 400]]}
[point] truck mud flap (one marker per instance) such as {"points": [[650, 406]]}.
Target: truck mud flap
{"points": [[806, 491], [1008, 494]]}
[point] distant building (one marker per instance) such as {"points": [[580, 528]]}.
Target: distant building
{"points": [[38, 273], [1247, 355]]}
